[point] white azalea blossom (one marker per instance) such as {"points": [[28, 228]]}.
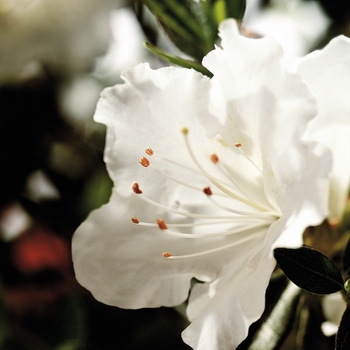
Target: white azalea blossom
{"points": [[225, 176], [296, 24], [65, 35], [327, 74]]}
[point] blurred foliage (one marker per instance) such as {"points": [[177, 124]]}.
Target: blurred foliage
{"points": [[42, 307]]}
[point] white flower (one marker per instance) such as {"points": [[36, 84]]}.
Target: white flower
{"points": [[64, 35], [297, 25], [333, 306], [327, 74], [226, 175]]}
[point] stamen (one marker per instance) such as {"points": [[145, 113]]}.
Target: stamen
{"points": [[214, 158], [161, 224], [264, 214], [231, 177], [135, 187], [243, 240], [135, 220], [240, 229], [175, 179], [144, 162], [190, 215], [238, 144], [207, 191], [192, 224], [171, 161], [216, 183], [184, 130], [149, 151], [249, 159]]}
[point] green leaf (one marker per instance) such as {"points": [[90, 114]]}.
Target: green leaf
{"points": [[67, 330], [193, 26], [307, 329], [342, 339], [219, 11], [235, 8], [309, 269], [70, 345], [346, 259], [208, 18], [181, 21], [178, 60]]}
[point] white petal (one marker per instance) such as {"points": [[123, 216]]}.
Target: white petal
{"points": [[122, 264], [237, 302], [259, 103], [327, 73], [149, 111]]}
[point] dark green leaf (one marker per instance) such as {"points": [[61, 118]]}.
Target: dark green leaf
{"points": [[342, 340], [209, 20], [178, 60], [308, 333], [67, 329], [235, 8], [309, 269], [182, 23], [346, 259]]}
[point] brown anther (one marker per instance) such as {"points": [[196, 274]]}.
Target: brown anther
{"points": [[238, 144], [166, 255], [135, 187], [214, 158], [135, 220], [161, 224], [144, 162], [149, 151], [207, 191]]}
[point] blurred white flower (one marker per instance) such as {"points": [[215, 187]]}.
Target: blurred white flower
{"points": [[125, 49], [62, 35], [295, 24], [333, 308], [226, 177], [13, 221], [79, 94]]}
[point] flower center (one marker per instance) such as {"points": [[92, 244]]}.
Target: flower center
{"points": [[222, 193]]}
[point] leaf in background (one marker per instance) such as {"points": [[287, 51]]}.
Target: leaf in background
{"points": [[219, 11], [276, 327], [67, 330], [192, 25], [182, 24], [342, 339], [235, 9], [309, 269], [178, 60], [308, 332], [346, 259]]}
